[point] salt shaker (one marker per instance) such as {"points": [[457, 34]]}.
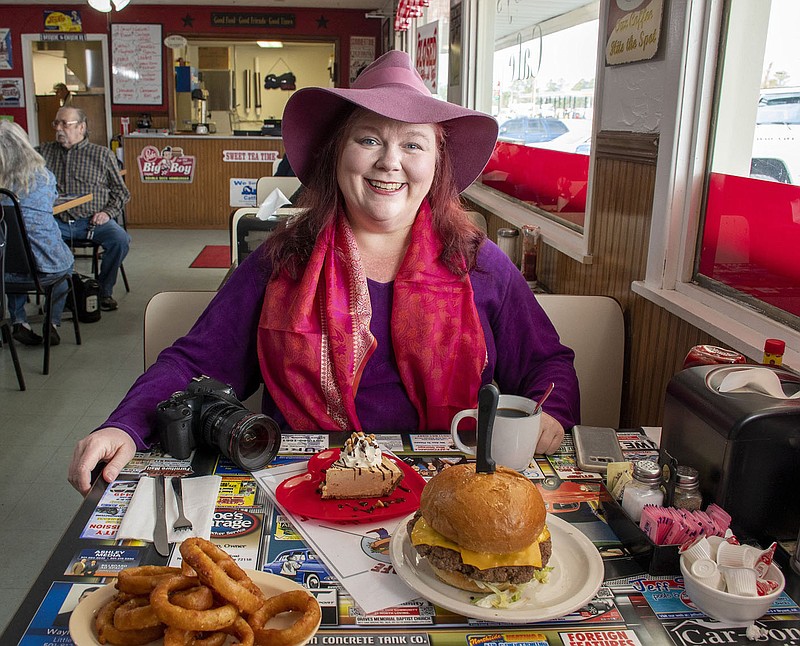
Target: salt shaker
{"points": [[687, 489], [644, 489], [508, 241]]}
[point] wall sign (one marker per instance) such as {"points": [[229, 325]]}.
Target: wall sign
{"points": [[634, 30], [283, 20], [136, 67], [362, 53], [62, 20], [6, 62], [428, 55], [11, 94], [168, 165], [249, 155]]}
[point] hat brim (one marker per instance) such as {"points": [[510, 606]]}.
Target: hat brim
{"points": [[312, 114]]}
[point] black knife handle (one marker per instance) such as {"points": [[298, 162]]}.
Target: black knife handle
{"points": [[488, 398]]}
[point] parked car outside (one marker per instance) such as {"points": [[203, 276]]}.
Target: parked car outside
{"points": [[776, 145], [531, 130], [302, 566]]}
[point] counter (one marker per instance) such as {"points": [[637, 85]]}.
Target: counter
{"points": [[184, 181]]}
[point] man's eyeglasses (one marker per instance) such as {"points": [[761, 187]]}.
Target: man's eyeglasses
{"points": [[63, 124]]}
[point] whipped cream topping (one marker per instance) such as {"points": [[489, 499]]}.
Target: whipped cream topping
{"points": [[360, 451]]}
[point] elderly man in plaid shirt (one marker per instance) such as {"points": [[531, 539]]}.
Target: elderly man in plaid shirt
{"points": [[82, 167]]}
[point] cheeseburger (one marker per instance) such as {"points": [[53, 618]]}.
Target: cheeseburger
{"points": [[482, 532]]}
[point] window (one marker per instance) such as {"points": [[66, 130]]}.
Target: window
{"points": [[726, 260], [543, 65]]}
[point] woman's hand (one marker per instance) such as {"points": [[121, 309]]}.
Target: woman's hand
{"points": [[551, 436], [111, 445]]}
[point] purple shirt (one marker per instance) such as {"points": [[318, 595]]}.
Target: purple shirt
{"points": [[524, 352]]}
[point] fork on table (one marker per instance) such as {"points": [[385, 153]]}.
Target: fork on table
{"points": [[182, 522]]}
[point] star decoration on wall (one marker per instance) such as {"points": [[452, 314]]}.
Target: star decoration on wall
{"points": [[188, 20], [322, 22]]}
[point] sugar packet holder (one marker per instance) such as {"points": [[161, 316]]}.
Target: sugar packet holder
{"points": [[670, 526]]}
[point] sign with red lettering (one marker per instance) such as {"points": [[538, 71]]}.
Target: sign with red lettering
{"points": [[428, 55], [601, 638], [249, 155], [168, 165]]}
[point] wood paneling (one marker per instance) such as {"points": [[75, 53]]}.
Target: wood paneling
{"points": [[202, 204], [622, 206]]}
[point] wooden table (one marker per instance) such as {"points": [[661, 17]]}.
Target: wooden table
{"points": [[67, 202]]}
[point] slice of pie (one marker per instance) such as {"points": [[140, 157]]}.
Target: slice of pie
{"points": [[361, 471]]}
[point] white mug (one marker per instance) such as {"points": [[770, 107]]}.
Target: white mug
{"points": [[515, 432]]}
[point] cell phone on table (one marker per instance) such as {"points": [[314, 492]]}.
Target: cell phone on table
{"points": [[595, 447]]}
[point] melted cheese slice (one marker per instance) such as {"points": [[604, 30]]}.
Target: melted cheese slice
{"points": [[424, 534]]}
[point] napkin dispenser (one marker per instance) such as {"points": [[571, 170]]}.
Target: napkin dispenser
{"points": [[745, 445]]}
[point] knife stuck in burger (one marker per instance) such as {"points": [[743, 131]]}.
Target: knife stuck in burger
{"points": [[482, 527]]}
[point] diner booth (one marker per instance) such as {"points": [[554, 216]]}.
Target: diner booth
{"points": [[635, 198]]}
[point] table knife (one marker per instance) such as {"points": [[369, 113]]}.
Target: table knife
{"points": [[160, 536]]}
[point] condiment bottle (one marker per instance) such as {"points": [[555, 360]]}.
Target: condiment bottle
{"points": [[687, 489], [773, 352], [644, 489], [508, 241], [531, 235]]}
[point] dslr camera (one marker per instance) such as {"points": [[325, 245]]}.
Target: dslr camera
{"points": [[208, 414]]}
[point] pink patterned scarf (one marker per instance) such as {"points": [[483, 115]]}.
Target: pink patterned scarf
{"points": [[314, 338]]}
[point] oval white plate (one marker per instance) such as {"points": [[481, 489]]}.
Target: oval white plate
{"points": [[81, 623], [576, 576]]}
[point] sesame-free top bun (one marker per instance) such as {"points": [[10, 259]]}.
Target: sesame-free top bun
{"points": [[486, 512]]}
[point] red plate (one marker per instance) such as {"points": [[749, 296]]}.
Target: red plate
{"points": [[300, 494]]}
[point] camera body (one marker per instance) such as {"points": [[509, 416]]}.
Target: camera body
{"points": [[208, 414]]}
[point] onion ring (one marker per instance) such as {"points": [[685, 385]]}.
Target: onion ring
{"points": [[135, 614], [199, 597], [299, 631], [241, 630], [212, 619], [141, 580], [108, 634], [219, 571]]}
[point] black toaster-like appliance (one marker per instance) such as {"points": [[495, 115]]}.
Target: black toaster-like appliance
{"points": [[746, 447]]}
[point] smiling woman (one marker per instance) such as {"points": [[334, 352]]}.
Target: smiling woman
{"points": [[381, 306]]}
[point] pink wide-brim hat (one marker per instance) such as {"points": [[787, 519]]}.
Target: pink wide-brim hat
{"points": [[391, 87]]}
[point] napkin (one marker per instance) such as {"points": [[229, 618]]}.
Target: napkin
{"points": [[755, 380], [274, 201], [199, 501]]}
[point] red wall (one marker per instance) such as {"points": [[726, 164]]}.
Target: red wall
{"points": [[312, 24]]}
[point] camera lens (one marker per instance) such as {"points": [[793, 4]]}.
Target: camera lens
{"points": [[250, 440]]}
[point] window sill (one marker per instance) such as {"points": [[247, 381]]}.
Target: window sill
{"points": [[735, 325], [568, 242]]}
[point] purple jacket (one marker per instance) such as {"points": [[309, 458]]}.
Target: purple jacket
{"points": [[524, 351]]}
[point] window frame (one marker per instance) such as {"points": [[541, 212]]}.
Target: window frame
{"points": [[572, 243], [680, 181]]}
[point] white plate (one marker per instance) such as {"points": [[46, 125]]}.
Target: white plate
{"points": [[577, 574], [81, 623]]}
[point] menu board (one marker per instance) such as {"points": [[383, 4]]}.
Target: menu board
{"points": [[136, 66]]}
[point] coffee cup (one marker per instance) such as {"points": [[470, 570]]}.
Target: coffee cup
{"points": [[515, 432]]}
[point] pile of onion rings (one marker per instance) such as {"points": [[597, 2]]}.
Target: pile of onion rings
{"points": [[200, 604]]}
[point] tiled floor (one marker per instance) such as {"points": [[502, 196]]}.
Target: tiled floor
{"points": [[39, 427]]}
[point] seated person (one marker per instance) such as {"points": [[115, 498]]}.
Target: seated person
{"points": [[23, 172], [84, 167], [381, 307]]}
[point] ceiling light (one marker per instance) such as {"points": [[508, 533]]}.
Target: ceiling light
{"points": [[119, 5], [101, 5], [270, 44]]}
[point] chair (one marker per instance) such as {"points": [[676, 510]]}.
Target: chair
{"points": [[20, 260], [594, 328], [247, 231], [96, 255], [5, 322], [170, 315], [266, 185]]}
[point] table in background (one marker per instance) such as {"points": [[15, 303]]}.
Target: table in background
{"points": [[67, 202], [621, 612]]}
